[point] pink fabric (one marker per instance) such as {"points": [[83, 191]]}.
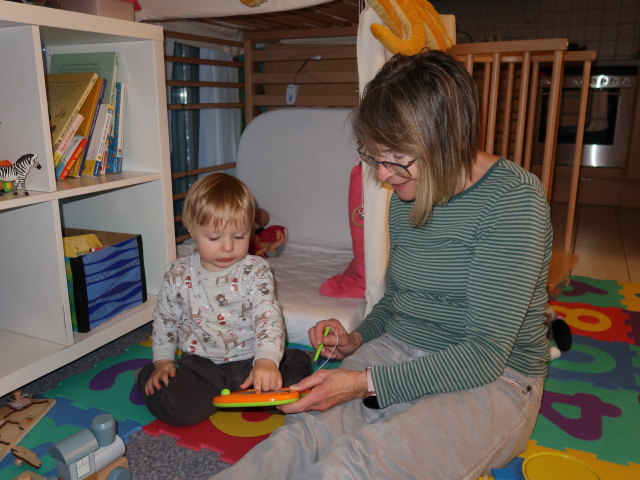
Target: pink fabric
{"points": [[351, 282]]}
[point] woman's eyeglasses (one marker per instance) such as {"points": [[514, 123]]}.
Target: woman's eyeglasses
{"points": [[399, 169]]}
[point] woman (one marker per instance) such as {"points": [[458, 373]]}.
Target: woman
{"points": [[452, 358]]}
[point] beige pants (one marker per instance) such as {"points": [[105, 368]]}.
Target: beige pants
{"points": [[452, 436]]}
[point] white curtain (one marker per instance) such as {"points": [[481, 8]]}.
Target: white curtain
{"points": [[219, 130]]}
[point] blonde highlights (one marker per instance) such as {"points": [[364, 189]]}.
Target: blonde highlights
{"points": [[425, 106]]}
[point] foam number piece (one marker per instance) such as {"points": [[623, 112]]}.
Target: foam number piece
{"points": [[630, 296], [613, 365], [249, 398], [596, 292], [633, 321], [588, 426], [601, 323], [106, 379]]}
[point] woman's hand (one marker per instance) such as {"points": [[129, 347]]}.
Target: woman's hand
{"points": [[164, 369], [328, 388], [265, 376], [347, 343]]}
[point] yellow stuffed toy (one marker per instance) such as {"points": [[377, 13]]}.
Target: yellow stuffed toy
{"points": [[253, 3], [409, 26]]}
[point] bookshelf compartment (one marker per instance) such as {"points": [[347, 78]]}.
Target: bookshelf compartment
{"points": [[138, 70], [143, 204], [24, 125], [36, 334], [33, 301]]}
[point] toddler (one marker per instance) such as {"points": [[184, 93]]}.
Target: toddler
{"points": [[218, 306]]}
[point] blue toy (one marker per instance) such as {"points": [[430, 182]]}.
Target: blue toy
{"points": [[88, 452]]}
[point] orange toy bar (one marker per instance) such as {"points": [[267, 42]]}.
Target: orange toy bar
{"points": [[249, 398]]}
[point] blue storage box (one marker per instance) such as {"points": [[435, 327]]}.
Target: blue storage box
{"points": [[106, 282]]}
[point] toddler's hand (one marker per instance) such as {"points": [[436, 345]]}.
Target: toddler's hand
{"points": [[164, 369], [264, 377]]}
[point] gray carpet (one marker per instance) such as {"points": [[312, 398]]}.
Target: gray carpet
{"points": [[150, 458]]}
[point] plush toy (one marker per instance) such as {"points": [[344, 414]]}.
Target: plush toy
{"points": [[253, 3], [267, 241], [409, 26], [558, 331]]}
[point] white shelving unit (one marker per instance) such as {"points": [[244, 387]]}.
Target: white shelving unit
{"points": [[35, 324]]}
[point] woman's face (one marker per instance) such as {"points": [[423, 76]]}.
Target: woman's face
{"points": [[402, 180]]}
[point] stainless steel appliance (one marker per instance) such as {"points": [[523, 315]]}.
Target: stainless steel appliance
{"points": [[609, 115]]}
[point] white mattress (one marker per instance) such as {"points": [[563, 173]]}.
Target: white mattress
{"points": [[299, 273]]}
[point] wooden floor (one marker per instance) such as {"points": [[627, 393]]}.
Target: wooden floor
{"points": [[607, 241]]}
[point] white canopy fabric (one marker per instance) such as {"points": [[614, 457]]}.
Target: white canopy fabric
{"points": [[164, 9]]}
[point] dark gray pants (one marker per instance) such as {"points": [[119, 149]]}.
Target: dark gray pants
{"points": [[187, 399]]}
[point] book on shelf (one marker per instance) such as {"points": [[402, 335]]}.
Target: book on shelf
{"points": [[74, 158], [121, 122], [66, 92], [70, 156], [64, 142], [90, 111], [97, 146], [105, 64], [75, 245], [116, 140]]}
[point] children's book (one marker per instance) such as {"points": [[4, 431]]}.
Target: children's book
{"points": [[114, 151], [74, 158], [87, 127], [62, 146], [97, 147], [121, 123], [105, 64], [66, 92], [68, 154], [80, 244]]}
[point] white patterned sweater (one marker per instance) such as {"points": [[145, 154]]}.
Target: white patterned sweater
{"points": [[225, 316]]}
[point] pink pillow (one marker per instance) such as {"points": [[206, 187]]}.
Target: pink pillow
{"points": [[351, 283]]}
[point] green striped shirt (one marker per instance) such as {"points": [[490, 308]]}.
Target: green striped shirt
{"points": [[469, 286]]}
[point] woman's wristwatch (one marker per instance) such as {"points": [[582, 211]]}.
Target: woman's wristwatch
{"points": [[370, 400]]}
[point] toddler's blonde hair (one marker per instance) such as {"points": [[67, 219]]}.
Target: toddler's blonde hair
{"points": [[217, 200]]}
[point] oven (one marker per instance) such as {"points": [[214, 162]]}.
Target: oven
{"points": [[609, 116]]}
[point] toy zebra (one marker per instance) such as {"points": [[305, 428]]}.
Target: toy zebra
{"points": [[18, 171]]}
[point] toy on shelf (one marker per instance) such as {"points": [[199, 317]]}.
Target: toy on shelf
{"points": [[14, 175], [95, 453], [267, 241]]}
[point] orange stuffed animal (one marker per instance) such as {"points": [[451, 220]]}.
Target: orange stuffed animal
{"points": [[409, 26]]}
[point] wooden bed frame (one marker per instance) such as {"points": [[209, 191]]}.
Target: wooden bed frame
{"points": [[277, 48]]}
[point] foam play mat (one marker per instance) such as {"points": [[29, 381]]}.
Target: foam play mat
{"points": [[589, 420]]}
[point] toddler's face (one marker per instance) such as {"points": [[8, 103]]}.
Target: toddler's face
{"points": [[220, 248]]}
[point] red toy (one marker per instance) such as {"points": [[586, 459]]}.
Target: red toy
{"points": [[267, 241]]}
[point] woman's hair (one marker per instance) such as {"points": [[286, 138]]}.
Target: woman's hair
{"points": [[217, 200], [424, 106]]}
